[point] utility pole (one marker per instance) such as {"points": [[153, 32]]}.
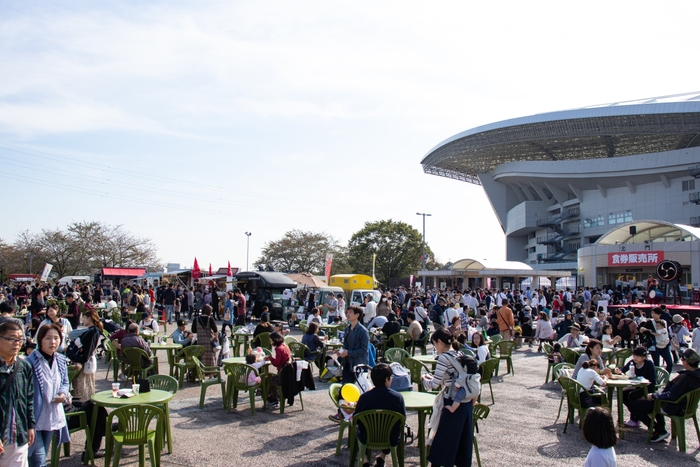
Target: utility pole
{"points": [[247, 248]]}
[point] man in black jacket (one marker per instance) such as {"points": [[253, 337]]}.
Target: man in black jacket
{"points": [[687, 380]]}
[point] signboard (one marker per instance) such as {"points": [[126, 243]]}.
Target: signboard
{"points": [[604, 305], [646, 258], [45, 273], [329, 265]]}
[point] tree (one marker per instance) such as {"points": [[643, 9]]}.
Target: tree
{"points": [[299, 251], [398, 247]]}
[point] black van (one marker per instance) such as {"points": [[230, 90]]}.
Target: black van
{"points": [[264, 289]]}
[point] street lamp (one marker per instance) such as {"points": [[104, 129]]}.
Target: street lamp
{"points": [[247, 248], [424, 216]]}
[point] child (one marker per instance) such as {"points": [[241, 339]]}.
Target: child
{"points": [[599, 430], [279, 327], [252, 360], [587, 376], [556, 356], [609, 342]]}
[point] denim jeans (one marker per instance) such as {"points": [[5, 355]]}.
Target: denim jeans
{"points": [[666, 354], [169, 310], [42, 444]]}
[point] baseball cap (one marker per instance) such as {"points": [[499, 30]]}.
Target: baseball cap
{"points": [[180, 322], [691, 356]]}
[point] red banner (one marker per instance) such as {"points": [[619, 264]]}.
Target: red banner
{"points": [[637, 258], [329, 265]]}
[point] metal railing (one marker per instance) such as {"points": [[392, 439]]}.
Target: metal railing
{"points": [[694, 171]]}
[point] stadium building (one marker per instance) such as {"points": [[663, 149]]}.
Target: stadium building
{"points": [[582, 190]]}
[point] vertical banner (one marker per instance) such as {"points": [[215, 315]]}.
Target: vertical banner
{"points": [[45, 273], [411, 281], [374, 278], [329, 265]]}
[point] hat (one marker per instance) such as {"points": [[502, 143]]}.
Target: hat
{"points": [[180, 322], [677, 319], [691, 356], [575, 326], [527, 308]]}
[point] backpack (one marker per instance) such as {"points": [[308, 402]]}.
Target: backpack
{"points": [[470, 382], [401, 380], [133, 301], [626, 332]]}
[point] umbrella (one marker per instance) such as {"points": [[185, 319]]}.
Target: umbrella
{"points": [[195, 269], [306, 279]]}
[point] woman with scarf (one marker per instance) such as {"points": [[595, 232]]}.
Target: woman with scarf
{"points": [[51, 390]]}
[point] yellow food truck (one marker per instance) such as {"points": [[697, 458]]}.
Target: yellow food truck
{"points": [[356, 286]]}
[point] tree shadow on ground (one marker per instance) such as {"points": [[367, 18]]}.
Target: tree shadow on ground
{"points": [[300, 438]]}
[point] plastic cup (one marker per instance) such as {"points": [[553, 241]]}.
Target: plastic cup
{"points": [[135, 389], [115, 388]]}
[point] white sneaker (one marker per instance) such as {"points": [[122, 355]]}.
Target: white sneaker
{"points": [[632, 424]]}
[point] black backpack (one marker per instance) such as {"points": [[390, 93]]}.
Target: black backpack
{"points": [[626, 332], [134, 300]]}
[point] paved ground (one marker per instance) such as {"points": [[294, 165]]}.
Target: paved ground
{"points": [[520, 431]]}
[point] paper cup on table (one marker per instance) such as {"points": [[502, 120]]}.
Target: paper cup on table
{"points": [[135, 389]]}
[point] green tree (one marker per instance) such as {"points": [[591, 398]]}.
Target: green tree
{"points": [[300, 251], [398, 247]]}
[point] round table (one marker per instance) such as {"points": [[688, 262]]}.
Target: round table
{"points": [[428, 360], [332, 329], [170, 350], [155, 397], [421, 402], [148, 335], [621, 384]]}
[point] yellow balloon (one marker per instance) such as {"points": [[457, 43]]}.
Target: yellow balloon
{"points": [[350, 393]]}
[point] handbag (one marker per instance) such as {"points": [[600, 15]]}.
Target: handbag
{"points": [[90, 366]]}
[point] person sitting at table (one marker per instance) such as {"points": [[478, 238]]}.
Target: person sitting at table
{"points": [[312, 342], [455, 327], [252, 360], [147, 322], [392, 326], [181, 335], [378, 322], [381, 397], [687, 380], [279, 327], [415, 330], [572, 338], [264, 325], [593, 351], [609, 341], [482, 348], [134, 340], [639, 366], [588, 375], [282, 357], [562, 326], [315, 316]]}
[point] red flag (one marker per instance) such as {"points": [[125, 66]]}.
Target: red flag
{"points": [[228, 272], [195, 269], [210, 273]]}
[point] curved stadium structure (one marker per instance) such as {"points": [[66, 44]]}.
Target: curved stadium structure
{"points": [[558, 181]]}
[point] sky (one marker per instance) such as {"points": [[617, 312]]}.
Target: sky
{"points": [[191, 123]]}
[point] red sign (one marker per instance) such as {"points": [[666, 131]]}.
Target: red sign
{"points": [[329, 265], [637, 258]]}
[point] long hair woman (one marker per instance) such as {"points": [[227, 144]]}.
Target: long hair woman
{"points": [[84, 383]]}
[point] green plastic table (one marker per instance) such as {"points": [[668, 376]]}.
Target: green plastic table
{"points": [[332, 329], [421, 402], [621, 384], [428, 360], [154, 397], [170, 350]]}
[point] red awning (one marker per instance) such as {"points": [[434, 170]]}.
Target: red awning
{"points": [[123, 272], [23, 277]]}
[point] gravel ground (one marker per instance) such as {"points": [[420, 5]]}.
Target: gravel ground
{"points": [[520, 430]]}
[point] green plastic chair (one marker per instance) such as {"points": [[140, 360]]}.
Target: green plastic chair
{"points": [[619, 357], [548, 351], [73, 372], [56, 449], [480, 412], [298, 350], [133, 422], [556, 373], [186, 354], [421, 344], [691, 400], [378, 425], [238, 341], [334, 393], [570, 356], [283, 399], [205, 382], [468, 352], [164, 383], [289, 339], [396, 355], [303, 326], [236, 381], [487, 370], [496, 339], [111, 359], [662, 377], [505, 352], [398, 341], [573, 391], [134, 358], [415, 369], [262, 340]]}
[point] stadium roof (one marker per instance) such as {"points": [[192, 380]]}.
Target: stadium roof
{"points": [[610, 130], [651, 231]]}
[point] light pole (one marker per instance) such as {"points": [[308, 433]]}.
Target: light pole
{"points": [[424, 216], [247, 248]]}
